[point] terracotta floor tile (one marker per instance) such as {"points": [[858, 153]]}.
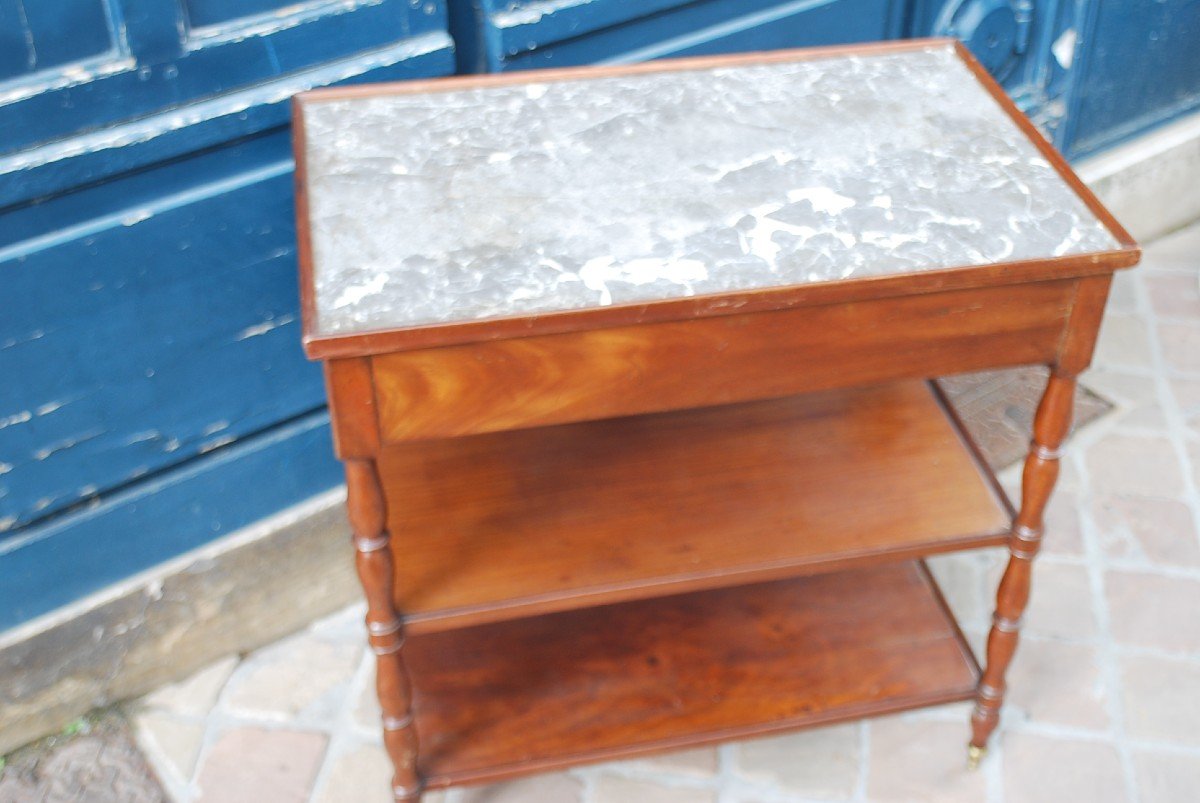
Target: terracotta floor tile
{"points": [[1167, 777], [821, 763], [253, 765], [700, 762], [1123, 296], [1186, 393], [174, 740], [1153, 610], [617, 789], [1135, 394], [553, 788], [1193, 450], [1181, 346], [925, 761], [1161, 699], [1148, 530], [1057, 683], [1124, 342], [962, 578], [195, 695], [303, 675], [361, 775], [1134, 464], [1174, 295], [1064, 533], [1060, 605], [1038, 769]]}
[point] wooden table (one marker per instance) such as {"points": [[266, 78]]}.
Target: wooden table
{"points": [[628, 368]]}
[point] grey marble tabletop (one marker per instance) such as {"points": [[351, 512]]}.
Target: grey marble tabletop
{"points": [[517, 200]]}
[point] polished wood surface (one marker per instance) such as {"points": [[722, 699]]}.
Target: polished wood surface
{"points": [[353, 419], [504, 525], [482, 447], [554, 379], [385, 630], [532, 694], [1050, 427]]}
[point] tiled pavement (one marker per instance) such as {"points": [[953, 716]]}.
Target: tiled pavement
{"points": [[1105, 699]]}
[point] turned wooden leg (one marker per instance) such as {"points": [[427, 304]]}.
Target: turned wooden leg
{"points": [[385, 630], [1050, 427]]}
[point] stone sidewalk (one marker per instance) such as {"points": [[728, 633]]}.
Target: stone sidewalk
{"points": [[1105, 695], [1105, 689]]}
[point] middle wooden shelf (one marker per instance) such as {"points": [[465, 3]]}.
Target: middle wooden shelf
{"points": [[512, 524]]}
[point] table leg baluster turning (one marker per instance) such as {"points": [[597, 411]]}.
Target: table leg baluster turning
{"points": [[1051, 425], [385, 628]]}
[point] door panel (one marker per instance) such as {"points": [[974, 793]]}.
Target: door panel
{"points": [[39, 35], [1142, 68], [200, 13], [162, 63], [173, 331], [494, 35], [85, 159], [147, 260]]}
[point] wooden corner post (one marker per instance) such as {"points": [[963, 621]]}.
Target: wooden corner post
{"points": [[356, 441], [1051, 425]]}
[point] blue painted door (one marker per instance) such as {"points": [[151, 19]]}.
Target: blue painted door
{"points": [[155, 395], [1139, 68], [1090, 73], [1017, 40], [496, 35]]}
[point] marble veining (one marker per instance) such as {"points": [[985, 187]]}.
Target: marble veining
{"points": [[475, 204]]}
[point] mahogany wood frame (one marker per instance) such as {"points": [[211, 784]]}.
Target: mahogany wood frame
{"points": [[387, 387]]}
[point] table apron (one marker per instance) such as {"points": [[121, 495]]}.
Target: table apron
{"points": [[552, 379]]}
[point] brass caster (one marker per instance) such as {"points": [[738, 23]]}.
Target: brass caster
{"points": [[974, 756]]}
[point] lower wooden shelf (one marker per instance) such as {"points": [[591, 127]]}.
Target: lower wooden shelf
{"points": [[521, 696], [521, 523]]}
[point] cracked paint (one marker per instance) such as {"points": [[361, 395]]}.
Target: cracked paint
{"points": [[16, 418], [67, 443], [264, 327]]}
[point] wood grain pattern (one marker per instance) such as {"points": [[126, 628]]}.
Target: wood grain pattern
{"points": [[528, 695], [506, 525], [553, 379], [508, 532], [352, 417], [1079, 339]]}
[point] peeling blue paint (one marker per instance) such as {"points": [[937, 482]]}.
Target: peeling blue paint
{"points": [[146, 220], [146, 226], [102, 542]]}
